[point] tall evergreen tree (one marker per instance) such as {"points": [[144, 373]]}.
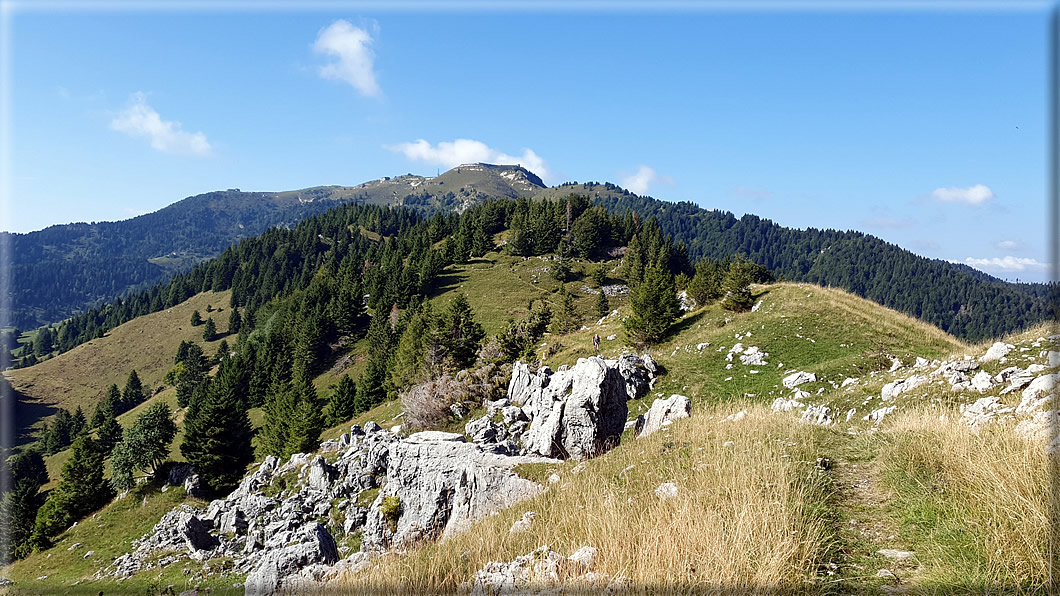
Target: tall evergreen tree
{"points": [[235, 322], [19, 505], [341, 406], [209, 330], [82, 490], [655, 306], [217, 431], [459, 333], [133, 394]]}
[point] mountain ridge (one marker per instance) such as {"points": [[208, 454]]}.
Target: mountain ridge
{"points": [[65, 269]]}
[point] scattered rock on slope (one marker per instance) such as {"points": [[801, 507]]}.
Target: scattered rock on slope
{"points": [[662, 413]]}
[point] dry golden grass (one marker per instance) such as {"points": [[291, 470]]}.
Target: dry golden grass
{"points": [[976, 506], [747, 516], [147, 344]]}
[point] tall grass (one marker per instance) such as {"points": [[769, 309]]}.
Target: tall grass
{"points": [[975, 506], [748, 516]]}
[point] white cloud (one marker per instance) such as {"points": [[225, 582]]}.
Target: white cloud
{"points": [[354, 59], [1006, 264], [1007, 244], [141, 120], [973, 195], [639, 181], [462, 151]]}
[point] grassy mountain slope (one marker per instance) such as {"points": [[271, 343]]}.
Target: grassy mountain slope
{"points": [[755, 508], [146, 344]]}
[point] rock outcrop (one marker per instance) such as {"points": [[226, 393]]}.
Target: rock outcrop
{"points": [[577, 413], [438, 486], [662, 413]]}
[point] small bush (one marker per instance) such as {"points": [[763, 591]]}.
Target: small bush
{"points": [[391, 510]]}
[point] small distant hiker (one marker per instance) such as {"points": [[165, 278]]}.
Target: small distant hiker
{"points": [[596, 342]]}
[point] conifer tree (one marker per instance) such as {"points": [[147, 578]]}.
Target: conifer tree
{"points": [[603, 307], [196, 319], [459, 333], [737, 286], [82, 490], [566, 318], [341, 406], [409, 364], [279, 410], [655, 306], [133, 394], [110, 434], [19, 505], [217, 431], [209, 330], [372, 386], [106, 407], [235, 322], [78, 423], [308, 420]]}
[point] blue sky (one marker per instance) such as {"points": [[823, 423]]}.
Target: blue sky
{"points": [[924, 127]]}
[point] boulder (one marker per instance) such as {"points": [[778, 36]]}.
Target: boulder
{"points": [[542, 571], [579, 414], [193, 486], [820, 415], [179, 473], [484, 430], [798, 378], [785, 405], [316, 546], [195, 532], [996, 352], [982, 382], [983, 412], [663, 412], [441, 488], [321, 475], [895, 388], [1038, 393], [636, 376]]}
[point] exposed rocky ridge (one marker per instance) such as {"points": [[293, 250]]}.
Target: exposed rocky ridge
{"points": [[290, 525], [981, 395]]}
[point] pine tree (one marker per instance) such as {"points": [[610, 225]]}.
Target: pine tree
{"points": [[110, 434], [82, 490], [737, 286], [655, 306], [78, 423], [196, 319], [209, 331], [459, 333], [308, 419], [133, 394], [217, 431], [279, 410], [603, 307], [106, 407], [409, 364], [192, 375], [372, 386], [235, 322], [18, 506], [341, 406], [566, 318]]}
